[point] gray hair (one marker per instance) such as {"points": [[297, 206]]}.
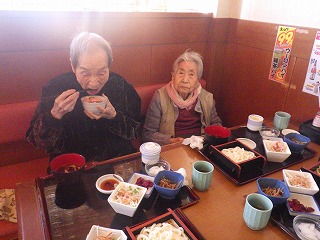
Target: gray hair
{"points": [[81, 42], [190, 57]]}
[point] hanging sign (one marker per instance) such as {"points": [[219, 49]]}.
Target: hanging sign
{"points": [[281, 53], [312, 81]]}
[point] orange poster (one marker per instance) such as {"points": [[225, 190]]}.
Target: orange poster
{"points": [[281, 53]]}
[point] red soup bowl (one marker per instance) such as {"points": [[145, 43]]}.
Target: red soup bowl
{"points": [[68, 167], [216, 135]]}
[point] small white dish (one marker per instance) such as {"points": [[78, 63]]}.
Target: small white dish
{"points": [[145, 178], [107, 183], [300, 182], [248, 142], [96, 231], [287, 130], [307, 201], [272, 150], [129, 205]]}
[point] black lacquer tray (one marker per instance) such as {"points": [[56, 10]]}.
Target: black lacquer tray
{"points": [[75, 222], [270, 167], [177, 215]]}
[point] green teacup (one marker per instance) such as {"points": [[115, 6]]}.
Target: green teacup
{"points": [[202, 172]]}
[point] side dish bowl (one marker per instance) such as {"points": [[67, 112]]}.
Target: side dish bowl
{"points": [[123, 205], [97, 231], [143, 180], [107, 183], [276, 151], [300, 182], [269, 132], [174, 178], [275, 186], [306, 227], [153, 169], [302, 204], [248, 142], [296, 142]]}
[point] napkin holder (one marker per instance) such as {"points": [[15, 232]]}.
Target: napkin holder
{"points": [[312, 132]]}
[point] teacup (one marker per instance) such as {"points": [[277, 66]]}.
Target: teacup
{"points": [[257, 211], [255, 122]]}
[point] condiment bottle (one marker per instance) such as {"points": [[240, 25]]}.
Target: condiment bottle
{"points": [[316, 120], [313, 70]]}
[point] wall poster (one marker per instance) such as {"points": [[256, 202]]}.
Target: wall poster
{"points": [[312, 81], [281, 53]]}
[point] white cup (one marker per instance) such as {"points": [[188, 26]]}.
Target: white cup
{"points": [[255, 122], [150, 152]]}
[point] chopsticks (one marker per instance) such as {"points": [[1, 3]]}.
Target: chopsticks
{"points": [[55, 96]]}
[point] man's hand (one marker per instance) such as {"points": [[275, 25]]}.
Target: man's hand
{"points": [[64, 103]]}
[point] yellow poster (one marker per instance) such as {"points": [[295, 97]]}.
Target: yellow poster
{"points": [[281, 53]]}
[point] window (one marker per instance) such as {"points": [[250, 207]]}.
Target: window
{"points": [[111, 5]]}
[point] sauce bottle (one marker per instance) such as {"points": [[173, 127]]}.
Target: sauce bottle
{"points": [[316, 120], [313, 70]]}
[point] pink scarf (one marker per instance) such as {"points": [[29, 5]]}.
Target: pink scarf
{"points": [[178, 100]]}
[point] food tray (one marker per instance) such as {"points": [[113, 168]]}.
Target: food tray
{"points": [[241, 169], [177, 216], [94, 208], [282, 218], [269, 167]]}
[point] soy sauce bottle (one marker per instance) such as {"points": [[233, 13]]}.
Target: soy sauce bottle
{"points": [[316, 120]]}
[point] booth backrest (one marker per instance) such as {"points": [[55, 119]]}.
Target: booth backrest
{"points": [[15, 119]]}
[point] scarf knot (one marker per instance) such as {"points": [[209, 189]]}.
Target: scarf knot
{"points": [[178, 100]]}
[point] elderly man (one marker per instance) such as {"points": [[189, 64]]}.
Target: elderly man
{"points": [[61, 125]]}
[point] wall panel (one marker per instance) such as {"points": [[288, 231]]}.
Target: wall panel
{"points": [[35, 46], [244, 84]]}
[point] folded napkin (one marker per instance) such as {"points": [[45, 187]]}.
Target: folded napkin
{"points": [[194, 141], [183, 172], [8, 205]]}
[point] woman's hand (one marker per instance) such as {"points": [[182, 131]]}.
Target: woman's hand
{"points": [[107, 112], [64, 103]]}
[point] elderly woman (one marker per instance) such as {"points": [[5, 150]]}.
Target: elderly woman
{"points": [[182, 108], [61, 125]]}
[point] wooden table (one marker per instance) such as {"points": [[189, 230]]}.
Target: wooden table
{"points": [[217, 215]]}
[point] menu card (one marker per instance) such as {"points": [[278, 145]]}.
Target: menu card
{"points": [[312, 80], [281, 53]]}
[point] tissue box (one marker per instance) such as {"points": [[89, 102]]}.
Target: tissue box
{"points": [[312, 132], [251, 167]]}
